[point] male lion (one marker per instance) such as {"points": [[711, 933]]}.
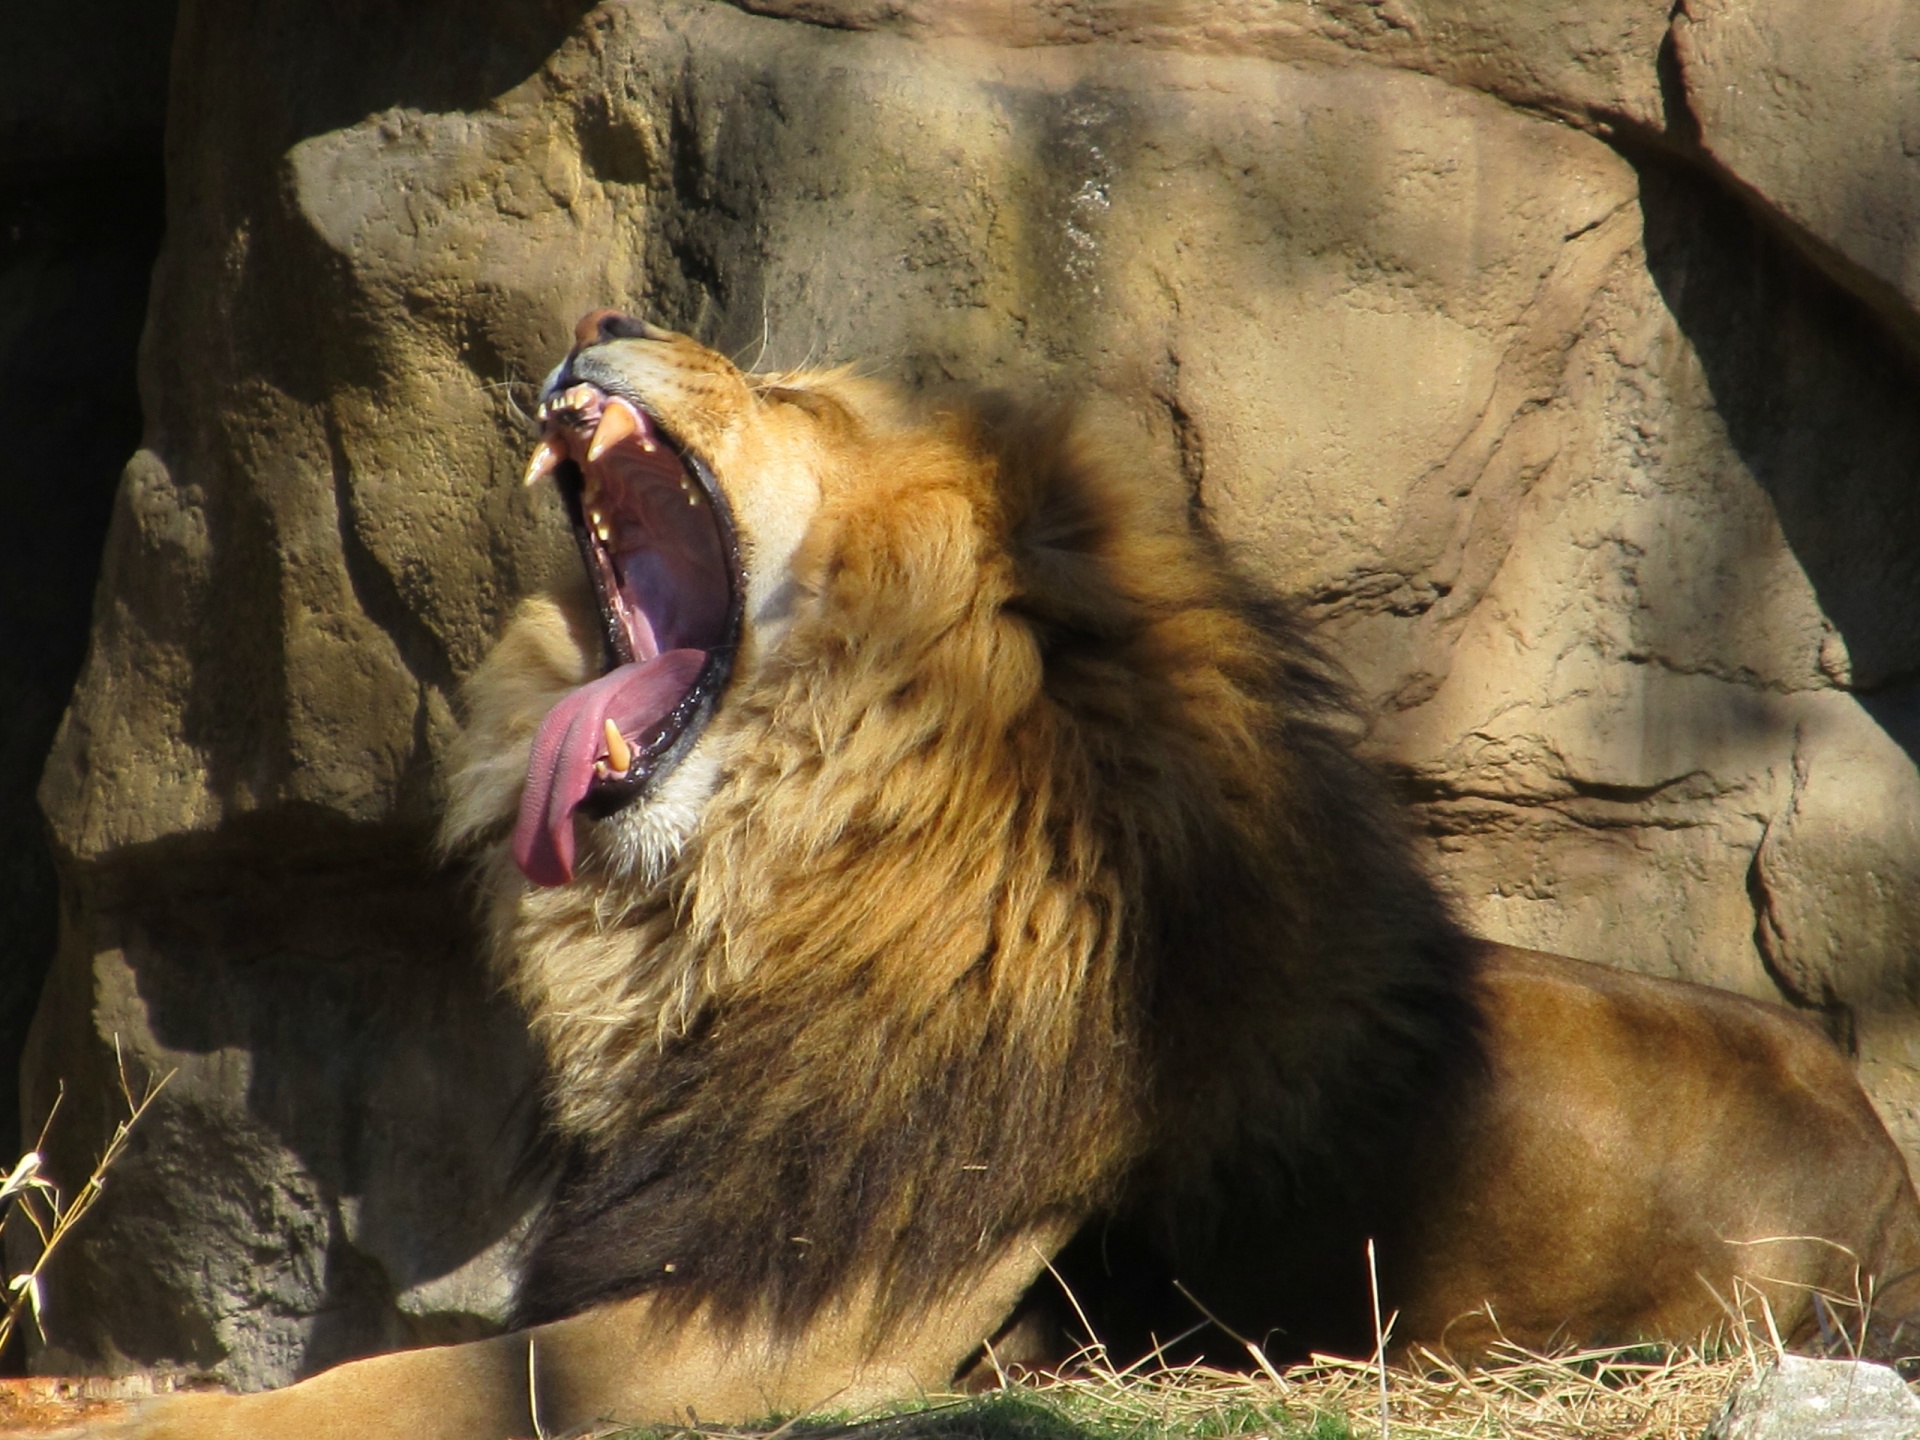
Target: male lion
{"points": [[923, 859]]}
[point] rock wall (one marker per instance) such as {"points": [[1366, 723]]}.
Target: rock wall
{"points": [[1562, 362]]}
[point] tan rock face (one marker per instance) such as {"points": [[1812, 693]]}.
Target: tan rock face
{"points": [[1811, 107], [1603, 493]]}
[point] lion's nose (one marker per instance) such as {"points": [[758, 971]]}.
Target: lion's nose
{"points": [[598, 325]]}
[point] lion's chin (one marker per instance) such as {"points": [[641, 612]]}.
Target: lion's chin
{"points": [[660, 553]]}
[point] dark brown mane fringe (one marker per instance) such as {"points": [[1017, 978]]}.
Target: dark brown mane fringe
{"points": [[1122, 930]]}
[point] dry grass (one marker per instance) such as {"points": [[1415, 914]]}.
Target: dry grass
{"points": [[29, 1198], [1643, 1392], [1636, 1394], [1582, 1395]]}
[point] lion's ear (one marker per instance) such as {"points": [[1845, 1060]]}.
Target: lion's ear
{"points": [[894, 563], [1090, 534], [811, 401]]}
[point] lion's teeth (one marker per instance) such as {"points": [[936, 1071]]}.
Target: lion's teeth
{"points": [[618, 421], [619, 754], [546, 457], [574, 397]]}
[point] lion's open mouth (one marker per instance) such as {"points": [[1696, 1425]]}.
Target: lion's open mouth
{"points": [[660, 552]]}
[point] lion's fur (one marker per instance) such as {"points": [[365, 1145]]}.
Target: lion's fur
{"points": [[1037, 855], [1023, 883]]}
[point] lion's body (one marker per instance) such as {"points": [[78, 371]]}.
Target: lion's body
{"points": [[1642, 1158], [1644, 1152], [1025, 885]]}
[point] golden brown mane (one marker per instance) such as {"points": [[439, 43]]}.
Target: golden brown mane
{"points": [[1029, 763]]}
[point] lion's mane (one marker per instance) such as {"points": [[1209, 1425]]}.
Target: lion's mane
{"points": [[1039, 880]]}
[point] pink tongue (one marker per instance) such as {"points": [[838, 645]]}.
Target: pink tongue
{"points": [[572, 737]]}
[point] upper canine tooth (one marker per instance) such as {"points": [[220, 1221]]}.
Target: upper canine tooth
{"points": [[617, 421], [546, 456]]}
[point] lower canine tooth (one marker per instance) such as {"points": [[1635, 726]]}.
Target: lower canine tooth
{"points": [[619, 754]]}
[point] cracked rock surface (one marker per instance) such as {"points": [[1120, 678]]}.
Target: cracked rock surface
{"points": [[1802, 1399], [1560, 360]]}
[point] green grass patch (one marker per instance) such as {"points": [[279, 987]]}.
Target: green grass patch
{"points": [[1055, 1412], [1629, 1393]]}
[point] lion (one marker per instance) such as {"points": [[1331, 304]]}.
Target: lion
{"points": [[959, 929]]}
